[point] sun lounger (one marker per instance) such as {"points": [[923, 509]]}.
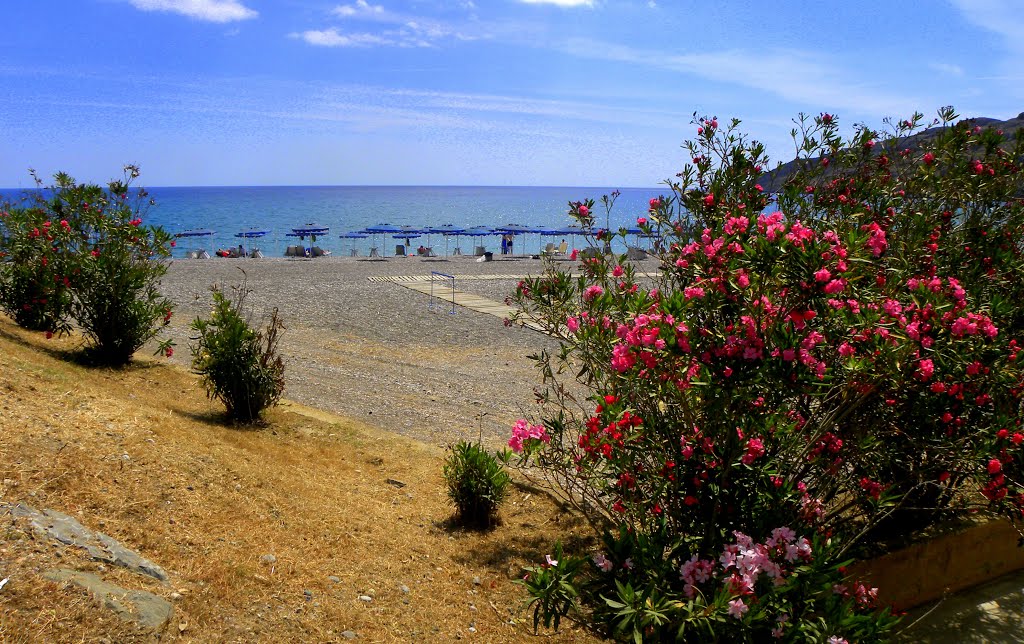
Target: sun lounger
{"points": [[399, 250], [549, 249], [562, 248], [374, 252]]}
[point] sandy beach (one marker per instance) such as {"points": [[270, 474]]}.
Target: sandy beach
{"points": [[373, 350]]}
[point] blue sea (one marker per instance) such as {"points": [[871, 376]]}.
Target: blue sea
{"points": [[344, 209]]}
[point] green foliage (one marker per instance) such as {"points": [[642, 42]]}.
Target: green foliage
{"points": [[477, 483], [80, 254], [33, 290], [552, 588], [239, 365], [795, 387]]}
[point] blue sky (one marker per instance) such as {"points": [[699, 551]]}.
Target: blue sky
{"points": [[478, 92]]}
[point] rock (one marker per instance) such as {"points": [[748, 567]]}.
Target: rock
{"points": [[308, 594], [334, 578], [143, 608], [404, 589], [349, 635], [99, 546], [365, 598], [395, 482], [268, 559], [476, 581]]}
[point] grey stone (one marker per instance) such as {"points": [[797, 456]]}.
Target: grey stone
{"points": [[268, 559], [365, 598], [99, 546], [476, 581], [334, 578], [143, 608], [349, 635], [404, 589]]}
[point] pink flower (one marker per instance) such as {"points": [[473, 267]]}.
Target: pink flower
{"points": [[823, 275], [925, 369], [573, 324], [692, 292], [574, 254], [584, 211], [994, 466], [737, 608], [549, 561], [709, 201], [928, 158], [641, 221], [618, 271], [593, 292], [835, 286]]}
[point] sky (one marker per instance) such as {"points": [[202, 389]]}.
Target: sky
{"points": [[469, 92]]}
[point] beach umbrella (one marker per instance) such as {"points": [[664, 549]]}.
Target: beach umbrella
{"points": [[515, 229], [251, 233], [353, 236], [382, 229], [312, 230], [407, 233], [447, 230], [572, 231], [199, 232], [478, 231]]}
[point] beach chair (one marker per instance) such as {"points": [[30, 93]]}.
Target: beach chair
{"points": [[256, 253], [562, 248], [202, 254], [399, 250], [355, 252], [319, 252], [293, 251], [374, 252], [549, 249]]}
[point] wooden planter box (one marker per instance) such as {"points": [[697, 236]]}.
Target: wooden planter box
{"points": [[946, 564]]}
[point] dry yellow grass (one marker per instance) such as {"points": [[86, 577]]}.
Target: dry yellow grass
{"points": [[141, 455]]}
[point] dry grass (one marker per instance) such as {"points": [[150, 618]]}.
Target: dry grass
{"points": [[141, 455]]}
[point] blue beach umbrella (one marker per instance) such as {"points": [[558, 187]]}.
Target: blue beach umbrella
{"points": [[381, 229], [310, 230], [515, 229], [353, 236], [447, 230], [198, 232]]}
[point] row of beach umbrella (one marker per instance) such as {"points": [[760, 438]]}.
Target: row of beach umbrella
{"points": [[408, 233]]}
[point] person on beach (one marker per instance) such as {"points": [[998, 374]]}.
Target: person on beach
{"points": [[504, 244], [511, 239]]}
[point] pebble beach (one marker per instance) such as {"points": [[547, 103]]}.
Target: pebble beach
{"points": [[376, 351]]}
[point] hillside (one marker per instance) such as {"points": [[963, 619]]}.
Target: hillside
{"points": [[772, 181], [315, 528]]}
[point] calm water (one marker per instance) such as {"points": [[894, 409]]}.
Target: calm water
{"points": [[349, 208]]}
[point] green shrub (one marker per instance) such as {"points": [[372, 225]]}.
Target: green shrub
{"points": [[239, 365], [33, 287], [80, 254], [477, 483]]}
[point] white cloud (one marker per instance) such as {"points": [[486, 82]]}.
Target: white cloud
{"points": [[333, 38], [208, 10], [360, 8], [802, 77], [562, 3], [946, 68], [1004, 17]]}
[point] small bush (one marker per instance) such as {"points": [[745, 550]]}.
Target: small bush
{"points": [[239, 365], [78, 253], [33, 287], [477, 483]]}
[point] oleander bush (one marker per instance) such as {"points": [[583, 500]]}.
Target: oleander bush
{"points": [[78, 254], [239, 365], [477, 483], [805, 383]]}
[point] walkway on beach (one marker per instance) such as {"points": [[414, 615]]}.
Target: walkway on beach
{"points": [[440, 289], [446, 296]]}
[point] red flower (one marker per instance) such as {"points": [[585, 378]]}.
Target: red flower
{"points": [[928, 158], [994, 466], [709, 200]]}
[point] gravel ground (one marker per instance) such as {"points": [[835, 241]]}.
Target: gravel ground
{"points": [[374, 351]]}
